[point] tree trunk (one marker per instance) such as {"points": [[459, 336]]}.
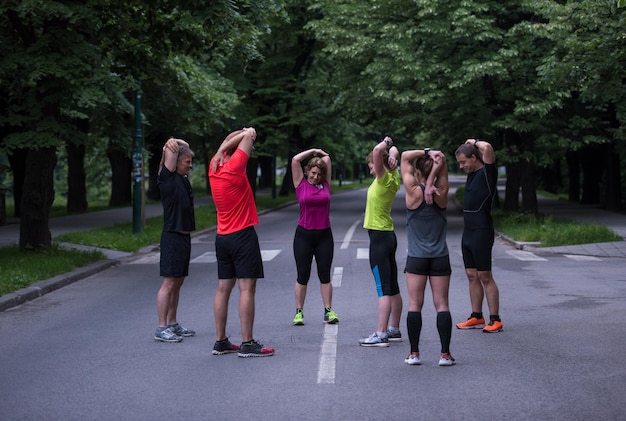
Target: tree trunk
{"points": [[17, 160], [154, 159], [513, 183], [529, 190], [251, 170], [573, 173], [592, 175], [121, 166], [613, 181], [76, 190], [266, 163], [37, 198]]}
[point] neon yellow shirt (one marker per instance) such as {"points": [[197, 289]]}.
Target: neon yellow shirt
{"points": [[380, 195]]}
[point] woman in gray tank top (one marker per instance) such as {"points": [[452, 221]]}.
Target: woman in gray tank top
{"points": [[425, 178]]}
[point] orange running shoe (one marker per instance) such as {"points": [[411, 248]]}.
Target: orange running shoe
{"points": [[472, 323], [493, 326]]}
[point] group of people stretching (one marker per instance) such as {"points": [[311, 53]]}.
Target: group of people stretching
{"points": [[424, 174]]}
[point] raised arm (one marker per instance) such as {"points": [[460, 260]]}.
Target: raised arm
{"points": [[297, 173], [437, 181], [413, 196], [169, 158], [242, 139], [392, 158], [487, 153]]}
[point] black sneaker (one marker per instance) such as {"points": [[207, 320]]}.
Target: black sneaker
{"points": [[224, 347], [254, 349]]}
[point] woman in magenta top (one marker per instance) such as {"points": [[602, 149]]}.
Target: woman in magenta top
{"points": [[313, 235]]}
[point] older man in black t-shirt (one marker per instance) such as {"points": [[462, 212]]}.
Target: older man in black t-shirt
{"points": [[178, 222]]}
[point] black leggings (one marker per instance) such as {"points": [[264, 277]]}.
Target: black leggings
{"points": [[310, 243], [383, 246]]}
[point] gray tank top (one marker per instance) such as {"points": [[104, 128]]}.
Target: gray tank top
{"points": [[426, 230]]}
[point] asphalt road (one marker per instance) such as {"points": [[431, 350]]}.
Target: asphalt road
{"points": [[85, 352]]}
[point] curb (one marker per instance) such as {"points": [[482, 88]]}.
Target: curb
{"points": [[41, 288]]}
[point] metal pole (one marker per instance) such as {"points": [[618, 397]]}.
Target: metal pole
{"points": [[274, 176], [137, 174]]}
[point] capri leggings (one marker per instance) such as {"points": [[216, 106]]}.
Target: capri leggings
{"points": [[383, 246], [310, 243], [476, 246]]}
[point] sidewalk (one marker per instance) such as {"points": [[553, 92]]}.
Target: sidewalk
{"points": [[9, 235]]}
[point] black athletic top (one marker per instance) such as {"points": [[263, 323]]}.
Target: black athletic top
{"points": [[177, 200], [480, 189]]}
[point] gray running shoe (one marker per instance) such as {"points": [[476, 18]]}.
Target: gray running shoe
{"points": [[394, 335], [374, 340], [224, 347], [179, 330], [165, 334]]}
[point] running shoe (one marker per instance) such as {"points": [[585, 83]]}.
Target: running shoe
{"points": [[330, 317], [224, 347], [165, 334], [394, 335], [472, 323], [375, 340], [179, 330], [446, 359], [298, 319], [413, 359], [254, 349], [493, 326]]}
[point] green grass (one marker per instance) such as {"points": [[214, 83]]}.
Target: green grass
{"points": [[21, 269], [549, 231]]}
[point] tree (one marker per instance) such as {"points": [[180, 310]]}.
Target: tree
{"points": [[53, 76], [588, 96], [65, 65]]}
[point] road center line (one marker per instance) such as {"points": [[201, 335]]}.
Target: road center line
{"points": [[349, 234], [328, 356], [337, 276]]}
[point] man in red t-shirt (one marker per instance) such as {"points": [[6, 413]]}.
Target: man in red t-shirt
{"points": [[236, 243]]}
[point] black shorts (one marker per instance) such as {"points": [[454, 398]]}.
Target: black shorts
{"points": [[239, 255], [476, 246], [428, 266], [175, 254]]}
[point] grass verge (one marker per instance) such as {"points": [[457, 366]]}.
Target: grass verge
{"points": [[21, 269], [549, 231]]}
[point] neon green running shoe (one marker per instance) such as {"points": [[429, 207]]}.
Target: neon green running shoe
{"points": [[330, 317], [298, 319]]}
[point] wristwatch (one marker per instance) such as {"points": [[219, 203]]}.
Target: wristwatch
{"points": [[426, 151]]}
